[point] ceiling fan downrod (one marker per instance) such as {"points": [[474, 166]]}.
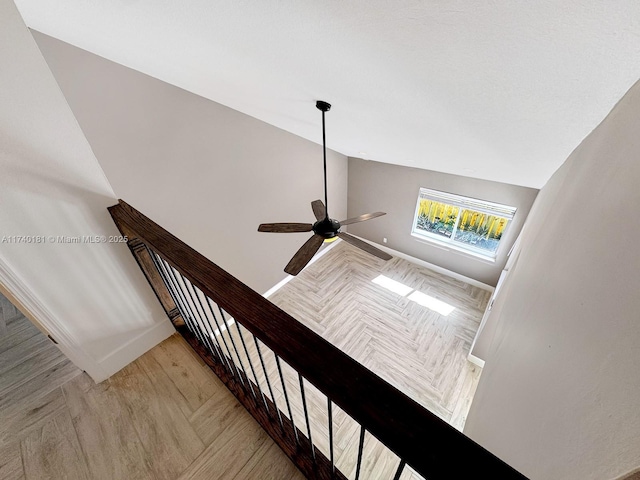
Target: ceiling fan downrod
{"points": [[324, 107], [325, 229]]}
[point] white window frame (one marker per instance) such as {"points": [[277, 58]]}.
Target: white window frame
{"points": [[462, 202]]}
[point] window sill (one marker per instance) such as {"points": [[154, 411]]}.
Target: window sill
{"points": [[453, 248]]}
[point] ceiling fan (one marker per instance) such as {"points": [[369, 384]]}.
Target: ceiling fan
{"points": [[325, 229]]}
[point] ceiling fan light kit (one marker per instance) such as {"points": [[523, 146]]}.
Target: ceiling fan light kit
{"points": [[325, 229]]}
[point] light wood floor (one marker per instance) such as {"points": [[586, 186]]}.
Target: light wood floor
{"points": [[165, 416], [419, 351], [422, 353], [32, 371]]}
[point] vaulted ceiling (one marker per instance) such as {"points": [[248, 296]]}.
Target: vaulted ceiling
{"points": [[501, 90]]}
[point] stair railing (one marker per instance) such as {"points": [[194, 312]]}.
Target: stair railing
{"points": [[277, 368]]}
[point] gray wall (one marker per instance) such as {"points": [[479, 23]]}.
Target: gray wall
{"points": [[91, 297], [559, 393], [394, 189], [207, 173]]}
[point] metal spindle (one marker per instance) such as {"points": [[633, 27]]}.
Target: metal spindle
{"points": [[173, 290], [156, 261], [286, 398], [330, 416], [224, 341], [235, 349], [206, 323], [400, 470], [187, 315], [194, 312], [360, 448], [210, 330], [306, 416], [205, 337], [186, 311], [266, 376], [253, 371]]}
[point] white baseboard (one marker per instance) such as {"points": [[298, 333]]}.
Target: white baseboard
{"points": [[98, 370], [42, 317], [475, 360], [472, 358], [430, 266], [134, 348], [395, 253], [288, 278], [628, 475]]}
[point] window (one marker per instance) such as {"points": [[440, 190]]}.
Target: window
{"points": [[462, 223]]}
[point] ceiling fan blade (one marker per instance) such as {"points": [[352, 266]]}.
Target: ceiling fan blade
{"points": [[356, 242], [319, 209], [304, 255], [285, 227], [362, 218]]}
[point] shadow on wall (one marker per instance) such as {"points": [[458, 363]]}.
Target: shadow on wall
{"points": [[66, 223]]}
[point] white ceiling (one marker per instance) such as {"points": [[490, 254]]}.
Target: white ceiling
{"points": [[502, 90]]}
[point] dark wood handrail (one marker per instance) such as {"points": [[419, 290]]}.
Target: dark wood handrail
{"points": [[428, 444]]}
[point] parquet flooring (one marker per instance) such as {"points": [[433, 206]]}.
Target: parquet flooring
{"points": [[165, 416], [421, 352]]}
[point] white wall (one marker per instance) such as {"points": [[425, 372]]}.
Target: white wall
{"points": [[560, 392], [91, 297], [207, 173], [375, 186]]}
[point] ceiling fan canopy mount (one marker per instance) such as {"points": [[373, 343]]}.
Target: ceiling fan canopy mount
{"points": [[323, 106], [325, 228]]}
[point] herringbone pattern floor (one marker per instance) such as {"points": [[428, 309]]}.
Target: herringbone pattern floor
{"points": [[419, 351], [7, 313], [165, 416], [422, 353]]}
